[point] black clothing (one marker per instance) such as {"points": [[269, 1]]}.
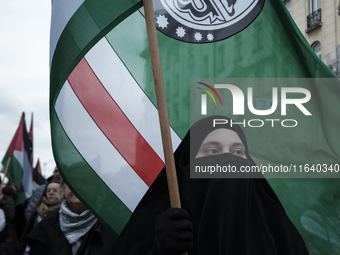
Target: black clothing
{"points": [[47, 238], [9, 241], [229, 216]]}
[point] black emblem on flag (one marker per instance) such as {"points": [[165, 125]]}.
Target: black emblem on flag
{"points": [[203, 21]]}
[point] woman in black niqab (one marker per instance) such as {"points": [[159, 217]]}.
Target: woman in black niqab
{"points": [[230, 216]]}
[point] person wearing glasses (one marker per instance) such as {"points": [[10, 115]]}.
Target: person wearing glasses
{"points": [[48, 202], [39, 192]]}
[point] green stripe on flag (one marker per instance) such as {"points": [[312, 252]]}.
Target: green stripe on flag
{"points": [[103, 202], [14, 172], [14, 175]]}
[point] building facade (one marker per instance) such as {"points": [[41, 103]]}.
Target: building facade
{"points": [[319, 22]]}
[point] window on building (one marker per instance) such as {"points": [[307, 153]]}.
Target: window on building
{"points": [[314, 18], [314, 5], [287, 4], [317, 48]]}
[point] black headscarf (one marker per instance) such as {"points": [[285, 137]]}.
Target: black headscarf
{"points": [[198, 132], [230, 216]]}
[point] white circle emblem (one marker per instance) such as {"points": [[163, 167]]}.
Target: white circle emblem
{"points": [[202, 21]]}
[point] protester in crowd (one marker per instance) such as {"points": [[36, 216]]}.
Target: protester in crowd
{"points": [[72, 229], [8, 237], [239, 215], [38, 193], [19, 217], [47, 203]]}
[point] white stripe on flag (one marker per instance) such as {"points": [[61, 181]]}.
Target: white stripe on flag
{"points": [[25, 164], [97, 150], [128, 94]]}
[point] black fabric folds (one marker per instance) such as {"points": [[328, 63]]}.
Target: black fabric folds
{"points": [[229, 216]]}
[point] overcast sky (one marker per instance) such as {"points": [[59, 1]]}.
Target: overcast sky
{"points": [[24, 75]]}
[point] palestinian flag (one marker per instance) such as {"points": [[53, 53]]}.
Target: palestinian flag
{"points": [[104, 123], [19, 170]]}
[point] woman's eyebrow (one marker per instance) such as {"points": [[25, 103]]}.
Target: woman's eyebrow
{"points": [[237, 144], [211, 143]]}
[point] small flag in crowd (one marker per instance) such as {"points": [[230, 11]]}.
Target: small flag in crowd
{"points": [[17, 162], [38, 179]]}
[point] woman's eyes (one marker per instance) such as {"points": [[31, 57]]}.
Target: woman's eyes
{"points": [[53, 190], [237, 152], [212, 151]]}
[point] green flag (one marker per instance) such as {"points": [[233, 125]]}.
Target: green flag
{"points": [[105, 131]]}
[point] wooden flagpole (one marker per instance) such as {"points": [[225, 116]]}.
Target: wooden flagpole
{"points": [[162, 107], [2, 181], [161, 104]]}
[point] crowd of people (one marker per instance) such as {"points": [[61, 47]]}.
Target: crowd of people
{"points": [[218, 216]]}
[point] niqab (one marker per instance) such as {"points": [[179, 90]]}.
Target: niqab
{"points": [[230, 216]]}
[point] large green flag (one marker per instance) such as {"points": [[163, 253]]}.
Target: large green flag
{"points": [[104, 122]]}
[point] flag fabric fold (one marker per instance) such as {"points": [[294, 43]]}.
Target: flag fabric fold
{"points": [[30, 137], [19, 170], [104, 123]]}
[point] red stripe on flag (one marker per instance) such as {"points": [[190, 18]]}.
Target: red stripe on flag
{"points": [[16, 143], [113, 123]]}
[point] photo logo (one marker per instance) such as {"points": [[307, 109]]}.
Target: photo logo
{"points": [[204, 97], [203, 21], [301, 97]]}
